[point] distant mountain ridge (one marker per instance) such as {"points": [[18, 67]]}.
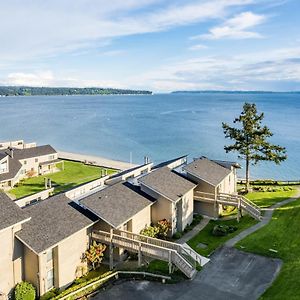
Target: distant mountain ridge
{"points": [[58, 91], [233, 92]]}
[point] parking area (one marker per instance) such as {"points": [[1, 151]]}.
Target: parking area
{"points": [[231, 274]]}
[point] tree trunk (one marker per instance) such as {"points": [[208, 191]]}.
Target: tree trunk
{"points": [[247, 175]]}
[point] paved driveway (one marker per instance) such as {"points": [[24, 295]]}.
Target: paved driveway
{"points": [[231, 274]]}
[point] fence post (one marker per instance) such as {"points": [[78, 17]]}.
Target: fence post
{"points": [[111, 251], [140, 255], [170, 262]]}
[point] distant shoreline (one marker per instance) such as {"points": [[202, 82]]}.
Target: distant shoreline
{"points": [[235, 92], [9, 91]]}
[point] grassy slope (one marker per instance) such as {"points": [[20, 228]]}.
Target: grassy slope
{"points": [[213, 242], [73, 174], [266, 199], [281, 234]]}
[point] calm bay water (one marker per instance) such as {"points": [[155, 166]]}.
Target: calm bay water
{"points": [[161, 126]]}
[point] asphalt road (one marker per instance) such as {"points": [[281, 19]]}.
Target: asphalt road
{"points": [[231, 274]]}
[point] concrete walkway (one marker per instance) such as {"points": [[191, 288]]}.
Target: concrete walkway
{"points": [[186, 237], [96, 160], [266, 219]]}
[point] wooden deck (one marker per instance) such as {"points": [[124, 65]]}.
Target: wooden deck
{"points": [[175, 254], [238, 201]]}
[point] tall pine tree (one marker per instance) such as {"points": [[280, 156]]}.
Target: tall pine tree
{"points": [[251, 140]]}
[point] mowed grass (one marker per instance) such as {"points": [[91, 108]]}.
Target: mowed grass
{"points": [[74, 173], [267, 199], [213, 242], [282, 235]]}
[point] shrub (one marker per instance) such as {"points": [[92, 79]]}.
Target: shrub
{"points": [[24, 291], [222, 230], [177, 235], [219, 230], [151, 231], [164, 226], [95, 253]]}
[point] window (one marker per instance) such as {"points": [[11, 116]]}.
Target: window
{"points": [[36, 160], [50, 279], [25, 162], [4, 167], [51, 157], [49, 255]]}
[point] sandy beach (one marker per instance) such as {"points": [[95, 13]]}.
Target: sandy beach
{"points": [[96, 160]]}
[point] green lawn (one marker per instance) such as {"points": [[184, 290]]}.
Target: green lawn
{"points": [[213, 242], [281, 234], [266, 199], [74, 173]]}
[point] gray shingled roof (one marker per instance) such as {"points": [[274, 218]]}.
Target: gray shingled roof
{"points": [[167, 183], [207, 170], [227, 164], [168, 162], [52, 220], [10, 213], [14, 167], [117, 203], [33, 152]]}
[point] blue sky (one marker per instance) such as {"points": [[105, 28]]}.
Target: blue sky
{"points": [[158, 45]]}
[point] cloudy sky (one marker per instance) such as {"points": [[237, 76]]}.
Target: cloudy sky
{"points": [[159, 45]]}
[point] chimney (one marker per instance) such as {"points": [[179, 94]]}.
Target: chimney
{"points": [[11, 152]]}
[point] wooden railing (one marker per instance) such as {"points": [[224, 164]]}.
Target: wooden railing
{"points": [[158, 249], [232, 200]]}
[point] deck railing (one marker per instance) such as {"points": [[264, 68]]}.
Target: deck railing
{"points": [[163, 250], [232, 200]]}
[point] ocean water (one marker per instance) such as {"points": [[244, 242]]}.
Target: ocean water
{"points": [[161, 126]]}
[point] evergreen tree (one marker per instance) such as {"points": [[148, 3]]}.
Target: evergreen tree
{"points": [[251, 140]]}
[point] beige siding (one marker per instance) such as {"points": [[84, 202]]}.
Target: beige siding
{"points": [[228, 185], [69, 255], [6, 264], [31, 266], [187, 208], [29, 164], [141, 220], [11, 253], [206, 209]]}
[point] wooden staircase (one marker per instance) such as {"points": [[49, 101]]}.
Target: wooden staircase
{"points": [[238, 201], [173, 253]]}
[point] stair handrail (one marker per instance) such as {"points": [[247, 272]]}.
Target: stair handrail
{"points": [[145, 245]]}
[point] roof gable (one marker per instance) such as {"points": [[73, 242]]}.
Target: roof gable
{"points": [[10, 212], [52, 220], [117, 203], [167, 183], [207, 170]]}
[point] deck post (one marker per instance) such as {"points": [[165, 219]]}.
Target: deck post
{"points": [[239, 210], [111, 251], [140, 255], [170, 262], [216, 199]]}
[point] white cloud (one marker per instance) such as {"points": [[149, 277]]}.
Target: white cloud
{"points": [[49, 79], [197, 47], [34, 29], [251, 71], [236, 28]]}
